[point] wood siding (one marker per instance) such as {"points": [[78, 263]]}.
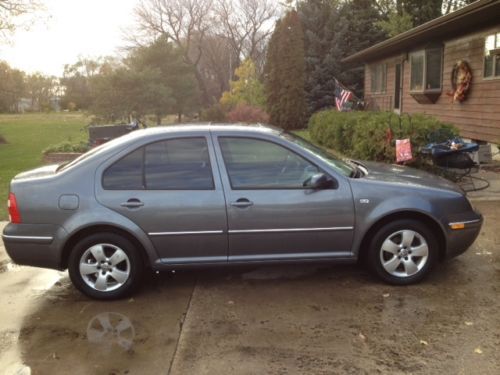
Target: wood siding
{"points": [[478, 117]]}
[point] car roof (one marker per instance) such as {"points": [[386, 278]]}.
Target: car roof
{"points": [[196, 127]]}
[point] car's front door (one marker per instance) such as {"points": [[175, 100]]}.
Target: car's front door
{"points": [[271, 215], [170, 189]]}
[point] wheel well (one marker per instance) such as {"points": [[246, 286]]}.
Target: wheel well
{"points": [[428, 221], [73, 240]]}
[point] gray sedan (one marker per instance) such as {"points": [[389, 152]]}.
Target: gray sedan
{"points": [[210, 195]]}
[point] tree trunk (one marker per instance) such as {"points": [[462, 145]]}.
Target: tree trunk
{"points": [[179, 117]]}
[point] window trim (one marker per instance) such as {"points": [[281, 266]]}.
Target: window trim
{"points": [[320, 170], [143, 169], [496, 36], [424, 52], [383, 78]]}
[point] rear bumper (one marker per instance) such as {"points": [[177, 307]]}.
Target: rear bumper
{"points": [[34, 244], [459, 240]]}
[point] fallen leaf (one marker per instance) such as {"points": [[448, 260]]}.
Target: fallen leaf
{"points": [[362, 337], [478, 351], [469, 323], [385, 295], [423, 342], [230, 302]]}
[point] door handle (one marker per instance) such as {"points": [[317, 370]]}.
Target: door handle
{"points": [[132, 203], [242, 203]]}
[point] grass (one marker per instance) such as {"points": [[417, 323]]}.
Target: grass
{"points": [[26, 136]]}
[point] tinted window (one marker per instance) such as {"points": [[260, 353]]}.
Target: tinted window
{"points": [[180, 164], [126, 173], [258, 164]]}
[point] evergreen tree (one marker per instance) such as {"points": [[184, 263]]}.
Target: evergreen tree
{"points": [[362, 31], [323, 33], [285, 74]]}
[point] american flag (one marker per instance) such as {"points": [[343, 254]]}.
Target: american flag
{"points": [[341, 97]]}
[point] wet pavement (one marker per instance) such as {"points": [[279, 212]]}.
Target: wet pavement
{"points": [[267, 320]]}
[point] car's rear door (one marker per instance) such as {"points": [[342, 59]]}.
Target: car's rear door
{"points": [[170, 189], [270, 214]]}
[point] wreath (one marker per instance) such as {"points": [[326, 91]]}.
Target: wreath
{"points": [[461, 78]]}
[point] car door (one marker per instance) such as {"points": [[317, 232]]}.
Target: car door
{"points": [[271, 215], [170, 190]]}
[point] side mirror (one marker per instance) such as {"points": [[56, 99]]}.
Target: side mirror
{"points": [[320, 181]]}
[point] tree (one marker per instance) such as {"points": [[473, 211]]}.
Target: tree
{"points": [[76, 81], [40, 89], [245, 88], [12, 87], [12, 12], [285, 74], [197, 26], [183, 22], [174, 74], [402, 15]]}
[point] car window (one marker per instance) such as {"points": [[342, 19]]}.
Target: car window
{"points": [[126, 173], [176, 164], [182, 164], [259, 164]]}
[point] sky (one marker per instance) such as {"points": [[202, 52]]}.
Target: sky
{"points": [[68, 29]]}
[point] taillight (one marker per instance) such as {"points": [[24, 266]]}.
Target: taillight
{"points": [[14, 215]]}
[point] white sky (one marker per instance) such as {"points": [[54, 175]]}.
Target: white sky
{"points": [[68, 29]]}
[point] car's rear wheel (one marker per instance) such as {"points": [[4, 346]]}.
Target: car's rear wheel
{"points": [[105, 266], [403, 252]]}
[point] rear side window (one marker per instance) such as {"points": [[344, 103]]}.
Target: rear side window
{"points": [[126, 173], [176, 164]]}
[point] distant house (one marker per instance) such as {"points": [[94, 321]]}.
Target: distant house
{"points": [[414, 72]]}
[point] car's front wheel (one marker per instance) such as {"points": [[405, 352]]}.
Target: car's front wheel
{"points": [[105, 266], [403, 252]]}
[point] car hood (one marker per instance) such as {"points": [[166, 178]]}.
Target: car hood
{"points": [[397, 174], [45, 171]]}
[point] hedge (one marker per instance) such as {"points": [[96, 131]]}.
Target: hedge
{"points": [[371, 135]]}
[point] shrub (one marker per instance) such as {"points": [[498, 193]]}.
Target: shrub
{"points": [[68, 146], [371, 135], [246, 113], [215, 113]]}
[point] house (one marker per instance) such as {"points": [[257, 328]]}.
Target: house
{"points": [[448, 68]]}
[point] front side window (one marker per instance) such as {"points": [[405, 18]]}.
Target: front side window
{"points": [[258, 164], [492, 56], [378, 78], [175, 164], [426, 70]]}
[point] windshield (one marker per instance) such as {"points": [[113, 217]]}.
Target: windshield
{"points": [[336, 163]]}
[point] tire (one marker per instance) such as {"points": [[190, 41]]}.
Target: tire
{"points": [[105, 266], [403, 252]]}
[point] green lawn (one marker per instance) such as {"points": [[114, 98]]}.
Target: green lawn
{"points": [[27, 135]]}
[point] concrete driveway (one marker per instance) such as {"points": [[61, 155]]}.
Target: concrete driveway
{"points": [[273, 320]]}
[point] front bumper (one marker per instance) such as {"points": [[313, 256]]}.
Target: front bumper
{"points": [[34, 244], [462, 232]]}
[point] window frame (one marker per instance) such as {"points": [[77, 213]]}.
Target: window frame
{"points": [[381, 82], [495, 60], [320, 170], [143, 169], [424, 52]]}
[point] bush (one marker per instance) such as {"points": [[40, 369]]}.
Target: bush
{"points": [[246, 113], [215, 113], [67, 146], [371, 135]]}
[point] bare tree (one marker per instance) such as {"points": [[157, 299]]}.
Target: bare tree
{"points": [[247, 24], [12, 10], [204, 29], [184, 22]]}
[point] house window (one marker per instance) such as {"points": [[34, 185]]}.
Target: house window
{"points": [[378, 78], [492, 56], [426, 70]]}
